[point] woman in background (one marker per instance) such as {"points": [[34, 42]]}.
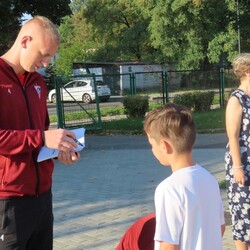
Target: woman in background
{"points": [[237, 157]]}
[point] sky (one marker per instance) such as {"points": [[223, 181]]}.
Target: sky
{"points": [[25, 18]]}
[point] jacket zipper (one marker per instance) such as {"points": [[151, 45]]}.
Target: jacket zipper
{"points": [[33, 157]]}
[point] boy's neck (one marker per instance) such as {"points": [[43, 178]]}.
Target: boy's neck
{"points": [[181, 161]]}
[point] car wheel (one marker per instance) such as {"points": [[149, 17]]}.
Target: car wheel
{"points": [[86, 98], [53, 98]]}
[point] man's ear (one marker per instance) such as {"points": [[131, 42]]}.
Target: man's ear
{"points": [[167, 147], [25, 40]]}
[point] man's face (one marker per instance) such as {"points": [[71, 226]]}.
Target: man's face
{"points": [[37, 51]]}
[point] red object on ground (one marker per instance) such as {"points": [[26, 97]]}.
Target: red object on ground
{"points": [[140, 236]]}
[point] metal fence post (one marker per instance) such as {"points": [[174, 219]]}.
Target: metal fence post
{"points": [[165, 87], [97, 101], [132, 83], [59, 106], [222, 86]]}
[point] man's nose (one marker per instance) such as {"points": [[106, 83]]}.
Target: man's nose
{"points": [[45, 62]]}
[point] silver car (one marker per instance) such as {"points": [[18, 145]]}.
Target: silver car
{"points": [[81, 90]]}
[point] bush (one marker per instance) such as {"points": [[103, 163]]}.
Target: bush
{"points": [[186, 99], [135, 106], [197, 101], [203, 100]]}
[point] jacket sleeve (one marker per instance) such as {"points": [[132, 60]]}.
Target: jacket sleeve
{"points": [[19, 141]]}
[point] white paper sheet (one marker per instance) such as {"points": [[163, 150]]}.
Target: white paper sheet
{"points": [[48, 153]]}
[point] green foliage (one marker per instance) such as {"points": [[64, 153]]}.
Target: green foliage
{"points": [[203, 100], [53, 9], [186, 99], [76, 43], [112, 111], [124, 30], [223, 184], [68, 55], [120, 35], [187, 33], [222, 43], [123, 126], [105, 112], [212, 120], [135, 106], [206, 121], [11, 12], [197, 101], [9, 24]]}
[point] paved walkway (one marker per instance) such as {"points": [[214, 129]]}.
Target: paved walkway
{"points": [[112, 185]]}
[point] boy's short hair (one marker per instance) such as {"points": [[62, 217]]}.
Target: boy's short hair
{"points": [[173, 122], [241, 64]]}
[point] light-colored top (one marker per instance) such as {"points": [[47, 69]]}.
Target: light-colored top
{"points": [[189, 210]]}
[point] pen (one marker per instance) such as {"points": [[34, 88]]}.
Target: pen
{"points": [[79, 143]]}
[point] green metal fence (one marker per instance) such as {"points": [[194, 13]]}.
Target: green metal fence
{"points": [[72, 112], [160, 86], [165, 84], [221, 81]]}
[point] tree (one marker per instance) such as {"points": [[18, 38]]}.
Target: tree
{"points": [[196, 34], [76, 5], [76, 42], [55, 10], [192, 35], [119, 29], [11, 12], [243, 19], [183, 30], [90, 34], [9, 23]]}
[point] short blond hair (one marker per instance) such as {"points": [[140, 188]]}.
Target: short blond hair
{"points": [[241, 64], [173, 122], [47, 25]]}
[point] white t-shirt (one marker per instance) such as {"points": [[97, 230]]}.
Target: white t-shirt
{"points": [[189, 210]]}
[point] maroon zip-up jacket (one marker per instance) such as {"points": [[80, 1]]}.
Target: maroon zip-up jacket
{"points": [[23, 117]]}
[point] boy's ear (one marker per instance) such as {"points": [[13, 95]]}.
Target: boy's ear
{"points": [[167, 147]]}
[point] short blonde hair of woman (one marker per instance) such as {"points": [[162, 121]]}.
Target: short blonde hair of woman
{"points": [[241, 64], [47, 25], [173, 122]]}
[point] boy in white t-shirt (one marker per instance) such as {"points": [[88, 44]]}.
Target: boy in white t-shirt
{"points": [[189, 208]]}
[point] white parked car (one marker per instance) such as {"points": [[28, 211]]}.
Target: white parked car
{"points": [[81, 90]]}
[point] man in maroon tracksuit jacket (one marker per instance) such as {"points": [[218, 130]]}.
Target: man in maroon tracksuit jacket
{"points": [[26, 219]]}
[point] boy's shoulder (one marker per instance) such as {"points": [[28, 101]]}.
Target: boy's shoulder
{"points": [[186, 176], [188, 183]]}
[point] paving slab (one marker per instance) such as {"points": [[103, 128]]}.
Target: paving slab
{"points": [[112, 185]]}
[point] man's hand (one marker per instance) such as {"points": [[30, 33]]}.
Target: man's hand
{"points": [[68, 157], [60, 139]]}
